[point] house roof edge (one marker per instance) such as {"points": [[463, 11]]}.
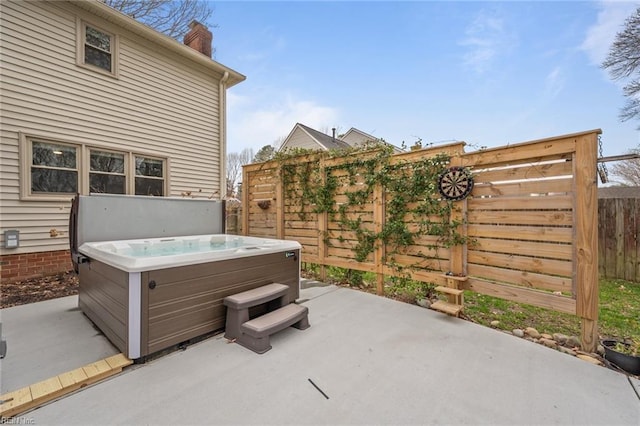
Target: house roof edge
{"points": [[100, 9]]}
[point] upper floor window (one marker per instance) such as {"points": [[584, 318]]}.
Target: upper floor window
{"points": [[97, 48]]}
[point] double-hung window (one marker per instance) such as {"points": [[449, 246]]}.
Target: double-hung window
{"points": [[149, 176], [97, 49], [107, 172], [56, 170], [53, 168]]}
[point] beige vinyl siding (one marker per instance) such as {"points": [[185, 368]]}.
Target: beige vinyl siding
{"points": [[162, 105], [355, 138], [301, 139]]}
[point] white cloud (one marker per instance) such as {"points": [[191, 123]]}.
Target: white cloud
{"points": [[254, 122], [486, 38], [554, 83], [610, 21]]}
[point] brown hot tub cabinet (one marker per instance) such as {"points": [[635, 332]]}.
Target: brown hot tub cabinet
{"points": [[145, 304]]}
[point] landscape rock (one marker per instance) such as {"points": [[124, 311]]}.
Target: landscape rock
{"points": [[425, 303], [550, 343], [517, 332], [560, 338], [546, 336], [574, 342], [532, 332], [495, 323], [567, 351], [590, 359]]}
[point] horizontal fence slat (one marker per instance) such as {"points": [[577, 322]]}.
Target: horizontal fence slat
{"points": [[523, 263], [526, 248], [523, 295], [524, 188], [524, 152], [515, 232], [560, 218], [520, 278], [547, 202], [523, 172]]}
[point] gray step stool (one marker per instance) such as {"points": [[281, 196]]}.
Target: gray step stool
{"points": [[254, 333]]}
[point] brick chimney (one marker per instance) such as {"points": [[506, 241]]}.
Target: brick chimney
{"points": [[199, 38]]}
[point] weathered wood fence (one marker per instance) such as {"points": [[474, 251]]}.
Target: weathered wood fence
{"points": [[619, 238], [531, 217]]}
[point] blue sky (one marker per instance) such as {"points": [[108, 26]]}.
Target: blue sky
{"points": [[487, 73]]}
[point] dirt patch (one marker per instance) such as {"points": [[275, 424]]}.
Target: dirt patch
{"points": [[38, 289]]}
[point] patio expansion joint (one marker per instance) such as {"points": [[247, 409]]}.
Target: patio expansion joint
{"points": [[29, 397]]}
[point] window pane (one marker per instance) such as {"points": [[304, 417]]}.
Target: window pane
{"points": [[97, 57], [145, 186], [149, 167], [107, 162], [52, 155], [51, 180], [98, 39], [107, 184]]}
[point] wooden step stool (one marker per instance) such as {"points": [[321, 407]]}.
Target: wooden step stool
{"points": [[455, 305], [254, 333]]}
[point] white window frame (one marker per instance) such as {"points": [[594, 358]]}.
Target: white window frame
{"points": [[81, 32], [83, 158]]}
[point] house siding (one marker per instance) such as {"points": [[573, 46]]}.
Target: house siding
{"points": [[160, 105], [354, 138], [300, 139]]}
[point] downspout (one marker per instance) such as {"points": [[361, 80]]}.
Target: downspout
{"points": [[222, 100]]}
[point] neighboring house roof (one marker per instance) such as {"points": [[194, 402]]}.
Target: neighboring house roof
{"points": [[302, 136], [619, 192], [101, 10], [354, 137]]}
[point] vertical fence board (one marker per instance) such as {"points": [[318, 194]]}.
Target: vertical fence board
{"points": [[601, 238], [618, 230], [610, 241], [630, 235], [636, 248], [619, 236]]}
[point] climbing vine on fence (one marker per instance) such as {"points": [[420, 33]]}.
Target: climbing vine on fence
{"points": [[414, 206]]}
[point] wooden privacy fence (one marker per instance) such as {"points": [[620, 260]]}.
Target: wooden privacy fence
{"points": [[527, 232], [618, 238]]}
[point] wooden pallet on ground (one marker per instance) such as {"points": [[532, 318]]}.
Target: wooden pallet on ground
{"points": [[21, 400]]}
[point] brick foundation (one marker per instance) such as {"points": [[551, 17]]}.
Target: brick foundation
{"points": [[16, 267]]}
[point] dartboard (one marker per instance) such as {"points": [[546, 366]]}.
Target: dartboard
{"points": [[455, 183]]}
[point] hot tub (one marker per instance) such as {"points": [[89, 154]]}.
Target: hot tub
{"points": [[150, 294]]}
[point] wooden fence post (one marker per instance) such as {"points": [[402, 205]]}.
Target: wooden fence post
{"points": [[586, 228], [322, 227], [279, 201], [246, 189], [379, 209]]}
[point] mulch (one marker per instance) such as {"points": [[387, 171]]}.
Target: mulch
{"points": [[38, 289]]}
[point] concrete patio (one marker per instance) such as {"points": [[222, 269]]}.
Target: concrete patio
{"points": [[365, 360]]}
